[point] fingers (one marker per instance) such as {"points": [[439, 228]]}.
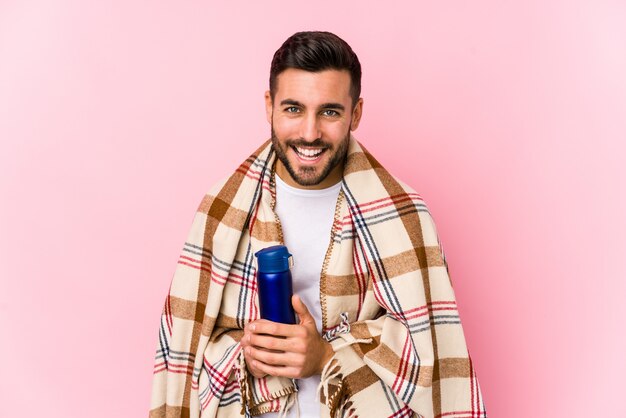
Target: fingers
{"points": [[290, 372], [304, 315], [250, 364], [275, 364], [275, 358], [267, 342], [300, 307], [280, 349], [263, 326]]}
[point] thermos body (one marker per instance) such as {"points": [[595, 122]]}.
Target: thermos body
{"points": [[274, 284], [275, 290]]}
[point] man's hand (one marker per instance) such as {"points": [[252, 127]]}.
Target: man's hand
{"points": [[294, 351]]}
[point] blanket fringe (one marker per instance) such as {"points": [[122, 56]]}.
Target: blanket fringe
{"points": [[242, 377], [291, 401], [332, 370], [347, 410]]}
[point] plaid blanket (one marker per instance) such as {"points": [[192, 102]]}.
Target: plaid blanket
{"points": [[388, 306]]}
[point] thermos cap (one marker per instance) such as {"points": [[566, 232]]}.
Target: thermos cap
{"points": [[274, 259]]}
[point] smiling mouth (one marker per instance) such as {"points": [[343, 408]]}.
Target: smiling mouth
{"points": [[308, 154]]}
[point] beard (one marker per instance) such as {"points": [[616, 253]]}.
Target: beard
{"points": [[306, 175]]}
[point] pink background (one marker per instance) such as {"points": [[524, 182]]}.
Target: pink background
{"points": [[116, 117]]}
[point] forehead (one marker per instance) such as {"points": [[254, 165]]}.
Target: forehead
{"points": [[313, 87]]}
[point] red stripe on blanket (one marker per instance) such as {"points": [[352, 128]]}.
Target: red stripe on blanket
{"points": [[404, 412], [252, 312], [215, 373], [231, 387], [474, 390], [360, 279], [348, 218], [415, 311], [390, 202], [463, 414], [173, 369], [220, 279], [395, 198], [214, 276], [254, 175], [397, 383], [227, 368], [417, 315], [168, 314]]}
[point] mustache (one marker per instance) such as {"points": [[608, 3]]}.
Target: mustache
{"points": [[318, 143]]}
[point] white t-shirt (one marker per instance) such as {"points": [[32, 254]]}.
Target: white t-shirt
{"points": [[306, 217]]}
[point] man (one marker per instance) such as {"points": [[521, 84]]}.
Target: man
{"points": [[378, 333]]}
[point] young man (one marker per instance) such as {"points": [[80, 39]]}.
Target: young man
{"points": [[378, 334]]}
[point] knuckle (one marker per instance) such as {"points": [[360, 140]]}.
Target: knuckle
{"points": [[299, 347], [271, 343]]}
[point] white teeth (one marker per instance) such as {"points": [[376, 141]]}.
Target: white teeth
{"points": [[310, 153]]}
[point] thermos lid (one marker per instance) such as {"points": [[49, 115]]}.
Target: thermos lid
{"points": [[274, 259]]}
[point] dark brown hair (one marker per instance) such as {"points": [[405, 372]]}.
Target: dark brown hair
{"points": [[314, 52]]}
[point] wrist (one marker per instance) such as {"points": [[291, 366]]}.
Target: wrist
{"points": [[326, 356]]}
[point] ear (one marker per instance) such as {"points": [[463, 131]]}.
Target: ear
{"points": [[356, 114], [268, 107]]}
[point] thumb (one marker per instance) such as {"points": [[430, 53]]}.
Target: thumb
{"points": [[301, 309]]}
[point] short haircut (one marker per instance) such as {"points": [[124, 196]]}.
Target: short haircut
{"points": [[317, 51]]}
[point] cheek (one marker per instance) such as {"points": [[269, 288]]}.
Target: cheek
{"points": [[285, 128], [336, 132]]}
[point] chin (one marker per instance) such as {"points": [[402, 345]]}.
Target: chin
{"points": [[307, 179]]}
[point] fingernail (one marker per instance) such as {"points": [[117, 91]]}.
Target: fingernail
{"points": [[252, 327]]}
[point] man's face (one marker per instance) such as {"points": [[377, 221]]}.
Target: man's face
{"points": [[311, 118]]}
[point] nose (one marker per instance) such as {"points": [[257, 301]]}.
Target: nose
{"points": [[309, 128]]}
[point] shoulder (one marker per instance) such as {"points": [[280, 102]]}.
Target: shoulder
{"points": [[209, 196], [408, 189], [410, 193], [217, 186], [417, 205]]}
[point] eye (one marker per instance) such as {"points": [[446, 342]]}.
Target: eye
{"points": [[330, 112], [292, 109]]}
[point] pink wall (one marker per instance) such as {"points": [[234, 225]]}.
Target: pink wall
{"points": [[115, 117]]}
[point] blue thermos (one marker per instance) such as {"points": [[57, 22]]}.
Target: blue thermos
{"points": [[274, 284]]}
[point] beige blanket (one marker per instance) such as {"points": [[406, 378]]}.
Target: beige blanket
{"points": [[388, 307]]}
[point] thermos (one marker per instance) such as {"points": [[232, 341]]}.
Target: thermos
{"points": [[274, 284]]}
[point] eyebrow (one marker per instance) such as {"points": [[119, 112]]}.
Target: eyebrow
{"points": [[292, 102]]}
